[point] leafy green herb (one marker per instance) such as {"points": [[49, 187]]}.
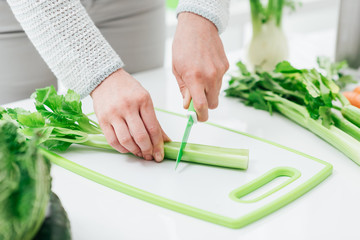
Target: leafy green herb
{"points": [[305, 96]]}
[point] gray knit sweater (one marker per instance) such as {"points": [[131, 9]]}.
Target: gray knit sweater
{"points": [[72, 46]]}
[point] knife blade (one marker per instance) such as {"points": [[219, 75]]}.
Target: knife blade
{"points": [[191, 120]]}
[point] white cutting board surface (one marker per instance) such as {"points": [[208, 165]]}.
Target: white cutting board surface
{"points": [[205, 190]]}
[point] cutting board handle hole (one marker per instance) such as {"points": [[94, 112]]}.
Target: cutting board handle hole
{"points": [[265, 185]]}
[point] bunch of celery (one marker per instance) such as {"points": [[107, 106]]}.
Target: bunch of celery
{"points": [[268, 45], [61, 122], [307, 97]]}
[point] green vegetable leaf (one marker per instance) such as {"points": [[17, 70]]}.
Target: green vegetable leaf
{"points": [[257, 100], [325, 116], [33, 120], [63, 111], [344, 80], [243, 69], [57, 145], [285, 67]]}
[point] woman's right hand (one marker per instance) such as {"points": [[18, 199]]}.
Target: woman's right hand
{"points": [[126, 115]]}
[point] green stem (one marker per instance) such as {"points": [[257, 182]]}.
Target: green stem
{"points": [[346, 126], [257, 13], [339, 139], [343, 100], [195, 153], [336, 107], [352, 114]]}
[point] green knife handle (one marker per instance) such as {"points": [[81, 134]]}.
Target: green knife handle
{"points": [[192, 112]]}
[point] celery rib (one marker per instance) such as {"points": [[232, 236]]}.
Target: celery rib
{"points": [[195, 153]]}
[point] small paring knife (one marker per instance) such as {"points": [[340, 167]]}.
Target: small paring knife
{"points": [[192, 118]]}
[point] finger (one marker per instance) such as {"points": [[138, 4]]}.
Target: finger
{"points": [[124, 137], [200, 102], [152, 126], [140, 135], [111, 138], [212, 96], [183, 89]]}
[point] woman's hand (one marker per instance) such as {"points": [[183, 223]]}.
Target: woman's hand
{"points": [[127, 117], [199, 62]]}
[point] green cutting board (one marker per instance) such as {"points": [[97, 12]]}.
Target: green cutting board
{"points": [[276, 176]]}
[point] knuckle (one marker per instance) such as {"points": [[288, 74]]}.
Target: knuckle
{"points": [[194, 74], [126, 103], [213, 105], [212, 73], [125, 141], [141, 137], [201, 105], [123, 106], [143, 97], [123, 150], [153, 130], [102, 119], [226, 65], [113, 142], [133, 150], [147, 150]]}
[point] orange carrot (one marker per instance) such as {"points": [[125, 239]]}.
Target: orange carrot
{"points": [[357, 89], [353, 97]]}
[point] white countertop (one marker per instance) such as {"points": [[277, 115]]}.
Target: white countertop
{"points": [[329, 211]]}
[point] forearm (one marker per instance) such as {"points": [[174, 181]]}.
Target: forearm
{"points": [[68, 41], [216, 11]]}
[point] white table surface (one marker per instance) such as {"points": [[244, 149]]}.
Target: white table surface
{"points": [[329, 211]]}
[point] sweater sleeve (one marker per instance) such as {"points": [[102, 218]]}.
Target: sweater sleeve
{"points": [[216, 11], [68, 41]]}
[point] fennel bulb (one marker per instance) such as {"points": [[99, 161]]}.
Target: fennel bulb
{"points": [[268, 46]]}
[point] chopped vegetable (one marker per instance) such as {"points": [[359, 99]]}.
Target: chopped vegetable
{"points": [[305, 96]]}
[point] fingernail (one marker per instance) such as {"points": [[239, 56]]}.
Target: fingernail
{"points": [[148, 157], [158, 156]]}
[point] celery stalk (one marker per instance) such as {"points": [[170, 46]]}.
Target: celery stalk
{"points": [[352, 114], [195, 153], [333, 135], [346, 126]]}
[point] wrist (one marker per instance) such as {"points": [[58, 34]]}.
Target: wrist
{"points": [[194, 19], [118, 73]]}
